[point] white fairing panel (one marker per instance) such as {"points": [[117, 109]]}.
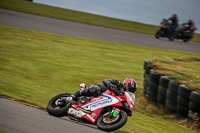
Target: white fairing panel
{"points": [[105, 100], [131, 97]]}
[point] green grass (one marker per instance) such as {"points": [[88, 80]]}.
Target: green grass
{"points": [[3, 131], [183, 70], [60, 13], [35, 66], [147, 124]]}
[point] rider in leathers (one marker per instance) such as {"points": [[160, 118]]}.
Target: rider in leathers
{"points": [[191, 27], [174, 19], [114, 85]]}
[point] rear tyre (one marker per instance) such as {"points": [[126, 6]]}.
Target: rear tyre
{"points": [[185, 39], [107, 124], [58, 110]]}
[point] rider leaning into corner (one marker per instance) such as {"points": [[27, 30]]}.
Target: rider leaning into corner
{"points": [[128, 85]]}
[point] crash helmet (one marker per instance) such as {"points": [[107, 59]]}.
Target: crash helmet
{"points": [[130, 85], [190, 21]]}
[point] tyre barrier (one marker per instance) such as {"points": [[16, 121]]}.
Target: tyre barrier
{"points": [[174, 97], [194, 106]]}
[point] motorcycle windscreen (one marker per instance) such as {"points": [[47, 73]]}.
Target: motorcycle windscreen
{"points": [[131, 97]]}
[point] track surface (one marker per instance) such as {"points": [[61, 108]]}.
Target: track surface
{"points": [[16, 118], [51, 25]]}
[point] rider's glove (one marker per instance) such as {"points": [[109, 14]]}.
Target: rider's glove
{"points": [[74, 98], [114, 89]]}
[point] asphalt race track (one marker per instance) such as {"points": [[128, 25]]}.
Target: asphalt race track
{"points": [[51, 25], [16, 118]]}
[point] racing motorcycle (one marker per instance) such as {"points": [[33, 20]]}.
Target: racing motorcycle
{"points": [[165, 29], [183, 32], [108, 111]]}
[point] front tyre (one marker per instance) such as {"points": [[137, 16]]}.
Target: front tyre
{"points": [[172, 36], [58, 106], [107, 124], [158, 34]]}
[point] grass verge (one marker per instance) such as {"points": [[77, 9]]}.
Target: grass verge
{"points": [[81, 17], [35, 66], [183, 70]]}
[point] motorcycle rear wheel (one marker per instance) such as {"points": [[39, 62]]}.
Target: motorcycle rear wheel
{"points": [[116, 124], [185, 39], [58, 110]]}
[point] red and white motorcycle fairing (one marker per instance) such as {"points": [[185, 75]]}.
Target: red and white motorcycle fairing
{"points": [[97, 104]]}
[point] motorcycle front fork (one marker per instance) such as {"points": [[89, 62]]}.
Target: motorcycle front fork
{"points": [[115, 111]]}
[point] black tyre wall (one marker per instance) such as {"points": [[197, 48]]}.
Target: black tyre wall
{"points": [[173, 86], [154, 78], [171, 96], [161, 100], [162, 91], [176, 98], [152, 95], [171, 105], [146, 62], [182, 110], [153, 87], [164, 81], [194, 106], [148, 69], [184, 91], [195, 97], [183, 101]]}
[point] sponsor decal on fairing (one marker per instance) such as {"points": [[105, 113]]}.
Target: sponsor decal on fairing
{"points": [[91, 118], [107, 100]]}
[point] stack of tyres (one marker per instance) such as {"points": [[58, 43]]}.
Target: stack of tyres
{"points": [[147, 68], [152, 90], [162, 90], [194, 106], [183, 101], [174, 97], [171, 97]]}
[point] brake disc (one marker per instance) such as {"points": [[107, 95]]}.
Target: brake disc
{"points": [[108, 120]]}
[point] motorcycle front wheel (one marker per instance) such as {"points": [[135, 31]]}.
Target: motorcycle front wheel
{"points": [[109, 124], [158, 34], [58, 106]]}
